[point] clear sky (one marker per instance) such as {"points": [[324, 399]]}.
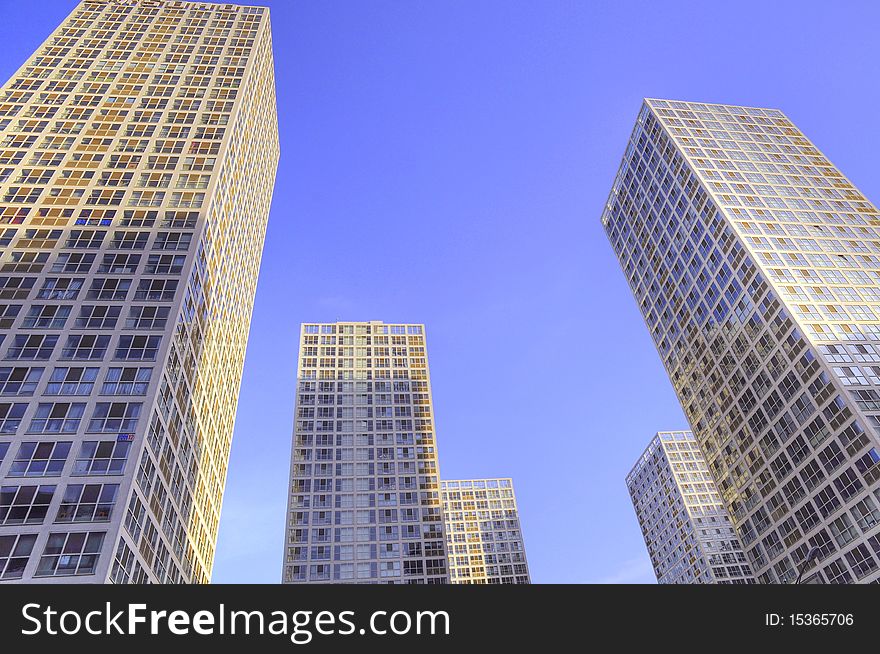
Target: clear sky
{"points": [[447, 162]]}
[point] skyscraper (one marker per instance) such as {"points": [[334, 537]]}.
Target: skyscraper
{"points": [[364, 502], [687, 531], [138, 149], [756, 265], [483, 532]]}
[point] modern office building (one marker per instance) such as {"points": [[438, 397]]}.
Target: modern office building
{"points": [[364, 503], [138, 149], [756, 266], [483, 532], [687, 530]]}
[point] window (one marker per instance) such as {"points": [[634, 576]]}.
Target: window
{"points": [[435, 567], [832, 457], [26, 262], [115, 417], [99, 197], [130, 240], [72, 381], [102, 458], [19, 381], [85, 238], [812, 475], [780, 466], [861, 561], [798, 450], [866, 514], [15, 288], [119, 264], [127, 381], [156, 290], [803, 408], [24, 505], [37, 347], [848, 484], [63, 288], [134, 517], [180, 219], [10, 417], [827, 501], [109, 289], [154, 180], [73, 262], [868, 465], [172, 241], [165, 264], [58, 417], [45, 459], [837, 573], [8, 314], [843, 530], [46, 317], [70, 554], [97, 317], [142, 348], [126, 569], [14, 552], [154, 318], [4, 448], [87, 503], [817, 431], [85, 346], [199, 163], [22, 194]]}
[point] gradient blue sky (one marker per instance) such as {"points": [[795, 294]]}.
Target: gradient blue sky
{"points": [[447, 162]]}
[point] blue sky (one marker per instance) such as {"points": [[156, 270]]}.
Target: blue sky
{"points": [[447, 162]]}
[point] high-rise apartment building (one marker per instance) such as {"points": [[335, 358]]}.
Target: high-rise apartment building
{"points": [[687, 530], [364, 503], [483, 532], [138, 149], [756, 266]]}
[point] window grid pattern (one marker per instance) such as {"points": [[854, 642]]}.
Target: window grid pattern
{"points": [[483, 533], [791, 446], [139, 147], [364, 503], [687, 530]]}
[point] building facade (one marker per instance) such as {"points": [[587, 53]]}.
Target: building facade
{"points": [[756, 266], [483, 532], [138, 149], [364, 503], [687, 530]]}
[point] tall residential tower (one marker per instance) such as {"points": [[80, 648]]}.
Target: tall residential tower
{"points": [[364, 503], [756, 266], [687, 531], [138, 149], [483, 532]]}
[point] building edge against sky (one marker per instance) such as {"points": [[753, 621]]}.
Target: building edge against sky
{"points": [[687, 530], [364, 500], [139, 146], [755, 265], [483, 532]]}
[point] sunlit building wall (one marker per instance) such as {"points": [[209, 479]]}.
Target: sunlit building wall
{"points": [[364, 503], [138, 150], [687, 531], [756, 266], [483, 532]]}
